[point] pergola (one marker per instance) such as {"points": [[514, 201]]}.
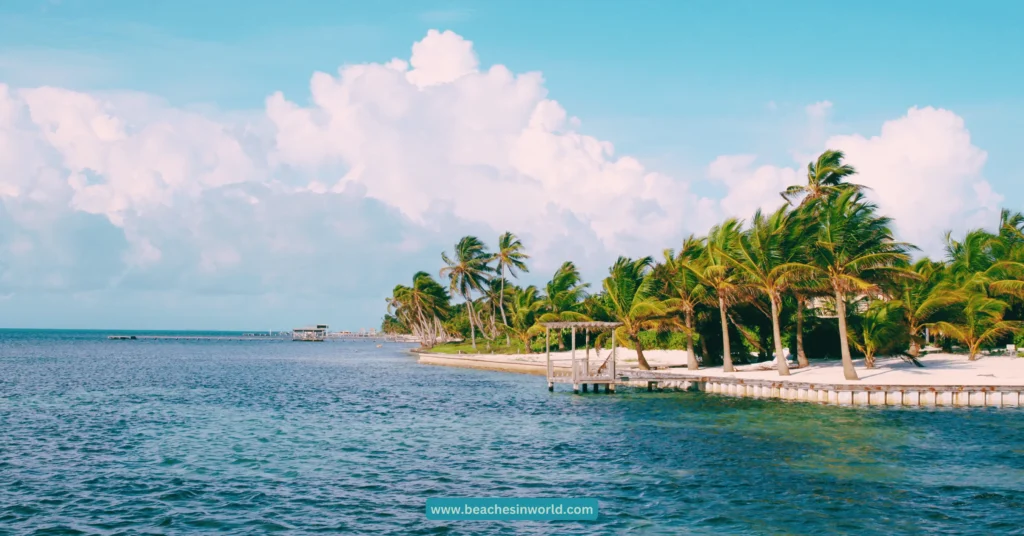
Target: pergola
{"points": [[579, 369]]}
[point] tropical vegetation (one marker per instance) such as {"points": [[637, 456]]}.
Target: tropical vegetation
{"points": [[822, 275]]}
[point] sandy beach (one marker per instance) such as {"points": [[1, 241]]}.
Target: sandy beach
{"points": [[939, 368]]}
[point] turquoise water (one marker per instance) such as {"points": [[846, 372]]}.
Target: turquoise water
{"points": [[244, 437]]}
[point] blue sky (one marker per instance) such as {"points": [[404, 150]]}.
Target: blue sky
{"points": [[677, 85]]}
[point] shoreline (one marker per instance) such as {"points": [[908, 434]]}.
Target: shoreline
{"points": [[945, 380]]}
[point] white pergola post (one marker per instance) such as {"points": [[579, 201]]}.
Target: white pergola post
{"points": [[547, 351], [586, 346], [575, 368]]}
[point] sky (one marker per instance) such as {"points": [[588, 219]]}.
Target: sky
{"points": [[263, 165]]}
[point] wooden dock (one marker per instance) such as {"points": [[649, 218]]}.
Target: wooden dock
{"points": [[576, 369]]}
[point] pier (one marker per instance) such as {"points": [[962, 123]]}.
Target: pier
{"points": [[860, 394], [581, 373], [576, 369]]}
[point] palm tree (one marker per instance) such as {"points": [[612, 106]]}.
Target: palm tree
{"points": [[719, 275], [803, 222], [526, 306], [824, 178], [682, 276], [632, 299], [467, 272], [981, 320], [921, 298], [421, 308], [493, 293], [879, 326], [971, 255], [981, 252], [854, 251], [766, 257], [562, 295], [511, 255], [1011, 236]]}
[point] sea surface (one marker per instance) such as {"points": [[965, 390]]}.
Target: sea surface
{"points": [[260, 436]]}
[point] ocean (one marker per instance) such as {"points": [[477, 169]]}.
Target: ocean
{"points": [[342, 437]]}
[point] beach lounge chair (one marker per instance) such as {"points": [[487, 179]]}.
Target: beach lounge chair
{"points": [[911, 359]]}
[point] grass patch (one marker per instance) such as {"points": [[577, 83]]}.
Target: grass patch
{"points": [[482, 347]]}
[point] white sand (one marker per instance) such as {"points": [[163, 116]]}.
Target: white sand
{"points": [[939, 369]]}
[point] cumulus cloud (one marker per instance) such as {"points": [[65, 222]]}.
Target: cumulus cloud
{"points": [[489, 146], [323, 206], [924, 170], [387, 164], [750, 187]]}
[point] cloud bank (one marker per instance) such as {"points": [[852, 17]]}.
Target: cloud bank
{"points": [[323, 205]]}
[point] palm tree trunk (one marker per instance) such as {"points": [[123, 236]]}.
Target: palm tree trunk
{"points": [[501, 305], [869, 359], [640, 359], [691, 358], [915, 347], [472, 326], [801, 356], [777, 333], [704, 348], [726, 351], [844, 341]]}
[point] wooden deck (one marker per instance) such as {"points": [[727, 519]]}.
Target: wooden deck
{"points": [[577, 369]]}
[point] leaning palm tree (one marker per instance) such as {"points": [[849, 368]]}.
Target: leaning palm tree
{"points": [[766, 257], [824, 178], [631, 299], [511, 255], [719, 275], [562, 297], [980, 320], [466, 273], [421, 308], [854, 251]]}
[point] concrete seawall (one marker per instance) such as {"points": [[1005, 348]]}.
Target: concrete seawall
{"points": [[904, 391], [840, 395]]}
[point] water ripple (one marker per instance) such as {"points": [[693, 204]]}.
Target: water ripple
{"points": [[174, 437]]}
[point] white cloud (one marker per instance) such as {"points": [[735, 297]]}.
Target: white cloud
{"points": [[488, 146], [750, 187], [388, 163], [819, 110], [925, 172]]}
